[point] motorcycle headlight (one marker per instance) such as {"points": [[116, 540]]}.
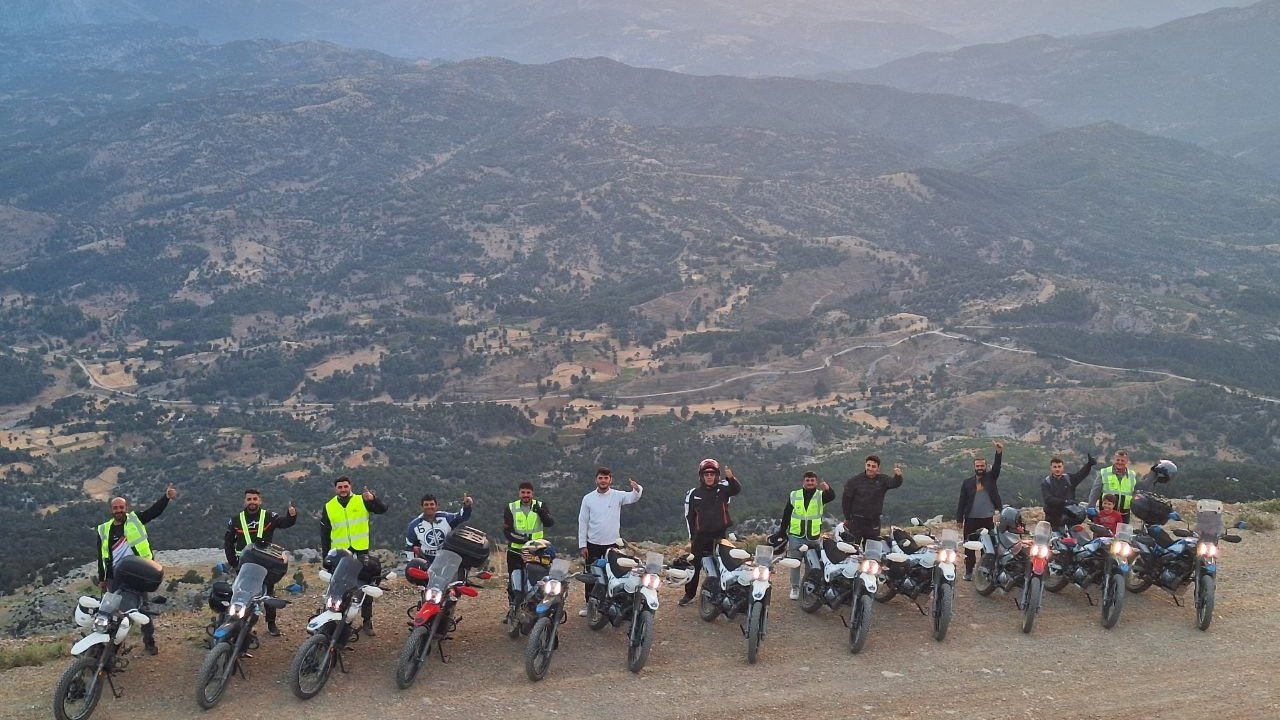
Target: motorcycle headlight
{"points": [[871, 567], [551, 588], [1038, 550], [760, 573], [653, 582], [236, 610], [1207, 549], [433, 595], [1121, 548], [947, 556], [101, 622], [334, 604]]}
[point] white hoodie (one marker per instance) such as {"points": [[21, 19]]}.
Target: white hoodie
{"points": [[601, 513]]}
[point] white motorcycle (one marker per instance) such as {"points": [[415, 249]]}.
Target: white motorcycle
{"points": [[736, 583], [625, 591], [103, 653], [918, 566]]}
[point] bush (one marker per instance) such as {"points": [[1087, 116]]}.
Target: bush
{"points": [[192, 578], [31, 653]]}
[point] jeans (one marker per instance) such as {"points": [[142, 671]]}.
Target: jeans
{"points": [[793, 551]]}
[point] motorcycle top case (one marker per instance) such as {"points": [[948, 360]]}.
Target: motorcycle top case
{"points": [[272, 557], [1151, 510], [137, 573], [473, 545]]}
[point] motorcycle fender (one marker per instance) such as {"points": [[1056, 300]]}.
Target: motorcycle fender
{"points": [[425, 613], [650, 597], [1123, 567], [1038, 565], [227, 629], [1210, 568], [758, 589], [323, 619], [870, 582], [948, 571], [89, 641]]}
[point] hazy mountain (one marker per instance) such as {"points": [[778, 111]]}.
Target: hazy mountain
{"points": [[695, 36], [1211, 79]]}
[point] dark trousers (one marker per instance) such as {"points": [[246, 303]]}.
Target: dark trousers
{"points": [[594, 552], [701, 546], [858, 529], [148, 630], [970, 532], [270, 611]]}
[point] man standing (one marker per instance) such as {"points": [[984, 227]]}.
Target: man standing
{"points": [[600, 517], [863, 500], [123, 535], [979, 502], [425, 535], [1058, 490], [524, 520], [802, 520], [256, 525], [1118, 480], [706, 513], [345, 526]]}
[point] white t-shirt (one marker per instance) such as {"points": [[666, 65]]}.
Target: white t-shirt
{"points": [[600, 515]]}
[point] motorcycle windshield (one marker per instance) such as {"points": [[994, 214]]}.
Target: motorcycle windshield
{"points": [[950, 539], [1124, 532], [110, 603], [1042, 532], [653, 562], [345, 578], [559, 569], [248, 583], [873, 549], [764, 555], [444, 569], [1209, 525]]}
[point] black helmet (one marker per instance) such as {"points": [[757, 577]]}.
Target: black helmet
{"points": [[372, 569], [1010, 520], [332, 559]]}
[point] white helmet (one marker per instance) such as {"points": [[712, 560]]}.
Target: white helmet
{"points": [[84, 615]]}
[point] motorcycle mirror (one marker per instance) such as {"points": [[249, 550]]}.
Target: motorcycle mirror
{"points": [[1231, 538], [972, 545], [846, 548], [788, 563], [915, 521]]}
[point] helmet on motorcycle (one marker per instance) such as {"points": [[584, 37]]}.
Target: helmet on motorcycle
{"points": [[1010, 520], [708, 464], [1164, 470], [84, 615], [372, 569], [332, 559]]}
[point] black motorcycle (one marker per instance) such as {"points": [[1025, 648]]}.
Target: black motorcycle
{"points": [[1185, 557], [736, 584], [546, 613], [235, 638], [1091, 556], [1010, 560], [918, 567]]}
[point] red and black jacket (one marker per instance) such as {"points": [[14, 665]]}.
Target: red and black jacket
{"points": [[707, 508]]}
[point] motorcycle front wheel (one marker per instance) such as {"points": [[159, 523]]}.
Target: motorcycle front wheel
{"points": [[1112, 599], [859, 622], [944, 596], [755, 631], [78, 690], [1137, 580], [538, 651], [1031, 601], [641, 642], [415, 650], [311, 665], [984, 580], [215, 675], [1206, 585]]}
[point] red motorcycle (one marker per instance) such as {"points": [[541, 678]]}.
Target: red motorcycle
{"points": [[432, 618]]}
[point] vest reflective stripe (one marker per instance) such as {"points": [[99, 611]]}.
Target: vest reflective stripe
{"points": [[806, 521], [135, 534], [1121, 485], [349, 526], [526, 523], [244, 524]]}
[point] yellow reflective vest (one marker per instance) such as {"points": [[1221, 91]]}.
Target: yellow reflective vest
{"points": [[348, 526]]}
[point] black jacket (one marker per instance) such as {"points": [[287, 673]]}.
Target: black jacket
{"points": [[117, 531], [707, 508], [970, 486], [509, 521], [1057, 493], [233, 541], [864, 497], [375, 507]]}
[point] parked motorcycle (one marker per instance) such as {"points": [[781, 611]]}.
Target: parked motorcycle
{"points": [[624, 591], [433, 617], [351, 583], [919, 566], [1185, 557], [735, 584], [104, 652], [1089, 555], [547, 614], [1010, 560], [235, 638], [831, 566], [525, 588]]}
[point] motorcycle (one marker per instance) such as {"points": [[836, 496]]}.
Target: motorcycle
{"points": [[233, 640], [919, 566], [351, 583], [103, 653], [547, 615], [831, 566], [432, 618], [524, 589], [1089, 555], [624, 591], [1172, 562], [1009, 559], [735, 583]]}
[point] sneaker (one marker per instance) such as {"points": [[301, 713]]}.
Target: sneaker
{"points": [[968, 576], [367, 628], [795, 593], [152, 649], [685, 601], [272, 630], [582, 612]]}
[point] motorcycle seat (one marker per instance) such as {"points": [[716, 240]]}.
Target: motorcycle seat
{"points": [[833, 553], [1161, 536], [1009, 539], [730, 563], [533, 572], [616, 569]]}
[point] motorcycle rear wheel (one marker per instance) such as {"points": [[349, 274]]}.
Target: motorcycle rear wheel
{"points": [[311, 665], [810, 588], [214, 675], [1055, 582], [596, 618], [513, 620], [707, 607], [78, 690], [944, 602], [1137, 580], [638, 649], [538, 651], [1206, 586], [755, 631], [1112, 600], [886, 591], [1031, 601], [984, 580], [859, 622]]}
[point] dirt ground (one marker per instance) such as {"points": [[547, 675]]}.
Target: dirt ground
{"points": [[1153, 664]]}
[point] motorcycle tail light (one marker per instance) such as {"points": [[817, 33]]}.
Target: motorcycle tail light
{"points": [[653, 582], [760, 573]]}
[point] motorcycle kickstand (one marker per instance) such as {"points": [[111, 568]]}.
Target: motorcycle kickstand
{"points": [[117, 693], [1089, 597], [1176, 601], [922, 612], [440, 650], [342, 664]]}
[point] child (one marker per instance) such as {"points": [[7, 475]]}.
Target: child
{"points": [[1109, 517]]}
